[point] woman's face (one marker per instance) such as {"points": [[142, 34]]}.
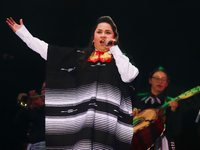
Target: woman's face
{"points": [[103, 32], [158, 82]]}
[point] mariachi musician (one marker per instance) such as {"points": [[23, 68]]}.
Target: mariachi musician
{"points": [[32, 117], [171, 117]]}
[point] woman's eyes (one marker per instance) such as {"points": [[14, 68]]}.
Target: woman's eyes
{"points": [[107, 32]]}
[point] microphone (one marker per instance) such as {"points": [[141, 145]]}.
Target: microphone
{"points": [[110, 43]]}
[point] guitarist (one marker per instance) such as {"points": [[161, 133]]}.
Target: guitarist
{"points": [[171, 117]]}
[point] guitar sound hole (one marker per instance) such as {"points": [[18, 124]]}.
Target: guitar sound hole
{"points": [[137, 121]]}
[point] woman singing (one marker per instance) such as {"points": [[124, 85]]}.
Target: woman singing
{"points": [[87, 94]]}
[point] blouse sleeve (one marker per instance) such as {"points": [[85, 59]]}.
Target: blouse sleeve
{"points": [[33, 43], [128, 72]]}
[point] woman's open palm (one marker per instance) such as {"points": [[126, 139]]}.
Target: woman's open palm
{"points": [[13, 25]]}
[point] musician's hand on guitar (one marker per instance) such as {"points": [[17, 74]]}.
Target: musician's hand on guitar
{"points": [[174, 105], [136, 111]]}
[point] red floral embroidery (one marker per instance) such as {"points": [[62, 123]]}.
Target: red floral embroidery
{"points": [[102, 56]]}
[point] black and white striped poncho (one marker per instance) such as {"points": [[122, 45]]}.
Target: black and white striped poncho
{"points": [[86, 108]]}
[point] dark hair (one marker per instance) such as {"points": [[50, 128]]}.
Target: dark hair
{"points": [[91, 47], [160, 68]]}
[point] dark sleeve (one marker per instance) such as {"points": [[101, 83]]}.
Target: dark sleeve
{"points": [[37, 111], [22, 117], [173, 121]]}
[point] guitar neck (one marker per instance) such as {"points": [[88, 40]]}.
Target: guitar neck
{"points": [[166, 105], [185, 95]]}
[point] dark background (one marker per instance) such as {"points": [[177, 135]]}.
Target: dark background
{"points": [[152, 33]]}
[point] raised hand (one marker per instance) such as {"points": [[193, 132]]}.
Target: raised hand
{"points": [[13, 25]]}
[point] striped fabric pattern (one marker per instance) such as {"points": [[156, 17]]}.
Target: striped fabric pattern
{"points": [[88, 111]]}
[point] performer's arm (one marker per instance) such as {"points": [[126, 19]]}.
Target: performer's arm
{"points": [[33, 43], [127, 71]]}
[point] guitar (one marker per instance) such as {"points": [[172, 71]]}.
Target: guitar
{"points": [[148, 127]]}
